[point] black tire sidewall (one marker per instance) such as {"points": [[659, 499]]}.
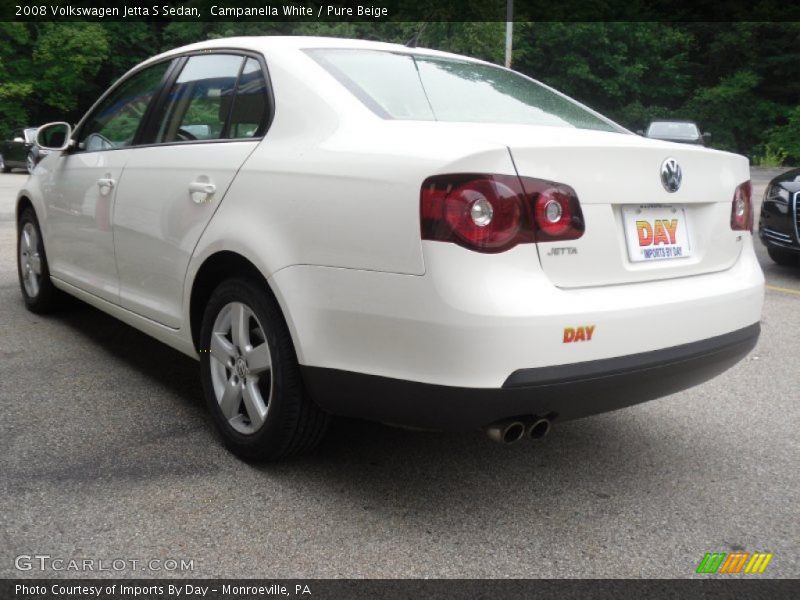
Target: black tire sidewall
{"points": [[272, 439], [45, 298], [782, 257]]}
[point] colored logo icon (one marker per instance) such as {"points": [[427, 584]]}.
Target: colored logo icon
{"points": [[735, 562]]}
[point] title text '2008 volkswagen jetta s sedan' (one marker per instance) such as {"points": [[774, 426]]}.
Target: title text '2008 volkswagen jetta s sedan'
{"points": [[338, 227]]}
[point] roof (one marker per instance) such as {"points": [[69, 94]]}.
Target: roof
{"points": [[271, 44]]}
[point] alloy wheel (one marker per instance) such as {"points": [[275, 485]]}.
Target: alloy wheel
{"points": [[241, 367], [30, 261]]}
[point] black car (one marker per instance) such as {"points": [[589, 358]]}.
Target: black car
{"points": [[686, 132], [779, 223], [15, 153]]}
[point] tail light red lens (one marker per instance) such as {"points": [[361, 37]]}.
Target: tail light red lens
{"points": [[482, 212], [555, 210], [742, 208], [493, 213]]}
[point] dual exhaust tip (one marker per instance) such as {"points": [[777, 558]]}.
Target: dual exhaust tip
{"points": [[509, 431]]}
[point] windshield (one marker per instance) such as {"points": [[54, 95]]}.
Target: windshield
{"points": [[424, 88], [669, 129]]}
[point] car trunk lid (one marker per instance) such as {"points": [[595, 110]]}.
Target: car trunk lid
{"points": [[636, 230]]}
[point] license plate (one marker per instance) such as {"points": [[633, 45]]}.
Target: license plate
{"points": [[656, 232]]}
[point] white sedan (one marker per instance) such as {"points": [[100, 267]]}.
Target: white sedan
{"points": [[339, 227]]}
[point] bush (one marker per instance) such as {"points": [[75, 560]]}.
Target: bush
{"points": [[772, 157], [784, 140]]}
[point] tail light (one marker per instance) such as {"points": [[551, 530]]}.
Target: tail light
{"points": [[557, 212], [742, 208], [493, 213]]}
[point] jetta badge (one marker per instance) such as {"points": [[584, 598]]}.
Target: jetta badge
{"points": [[671, 175]]}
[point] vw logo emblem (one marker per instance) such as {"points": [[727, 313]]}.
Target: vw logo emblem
{"points": [[241, 368], [671, 175]]}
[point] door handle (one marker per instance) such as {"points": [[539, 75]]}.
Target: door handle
{"points": [[201, 191]]}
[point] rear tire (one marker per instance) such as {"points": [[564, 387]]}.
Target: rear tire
{"points": [[782, 257], [39, 293], [251, 378]]}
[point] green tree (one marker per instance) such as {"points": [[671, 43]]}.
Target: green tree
{"points": [[784, 140], [733, 110], [481, 40], [15, 88], [608, 66], [66, 56], [738, 80]]}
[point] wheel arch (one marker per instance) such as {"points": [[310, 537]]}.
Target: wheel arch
{"points": [[24, 202], [222, 265]]}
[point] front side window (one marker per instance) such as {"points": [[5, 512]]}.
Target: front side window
{"points": [[425, 88], [115, 122], [194, 106]]}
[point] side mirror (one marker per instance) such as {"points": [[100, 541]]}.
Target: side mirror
{"points": [[54, 136], [640, 132], [19, 139], [706, 137]]}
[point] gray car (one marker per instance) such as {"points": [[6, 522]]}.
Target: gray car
{"points": [[685, 132]]}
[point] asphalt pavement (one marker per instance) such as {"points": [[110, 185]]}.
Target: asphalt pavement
{"points": [[107, 453]]}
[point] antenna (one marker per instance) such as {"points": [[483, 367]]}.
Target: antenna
{"points": [[412, 43]]}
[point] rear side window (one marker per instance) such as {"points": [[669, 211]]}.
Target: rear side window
{"points": [[405, 86], [114, 123], [216, 96], [249, 108]]}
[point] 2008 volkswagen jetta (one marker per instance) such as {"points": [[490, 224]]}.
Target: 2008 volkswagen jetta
{"points": [[419, 238]]}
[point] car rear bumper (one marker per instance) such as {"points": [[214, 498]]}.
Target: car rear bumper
{"points": [[560, 393], [472, 320]]}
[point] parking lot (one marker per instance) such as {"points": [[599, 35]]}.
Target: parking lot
{"points": [[106, 452]]}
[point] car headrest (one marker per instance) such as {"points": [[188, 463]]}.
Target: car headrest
{"points": [[248, 107]]}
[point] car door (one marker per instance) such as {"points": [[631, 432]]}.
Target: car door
{"points": [[80, 187], [205, 127]]}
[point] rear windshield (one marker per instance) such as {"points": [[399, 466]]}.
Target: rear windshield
{"points": [[673, 130], [424, 88]]}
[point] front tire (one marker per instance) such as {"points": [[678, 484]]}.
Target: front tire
{"points": [[251, 378], [38, 291], [782, 257]]}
